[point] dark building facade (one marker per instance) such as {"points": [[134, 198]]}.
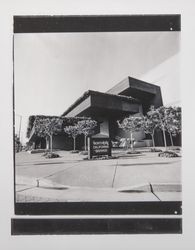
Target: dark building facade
{"points": [[129, 97]]}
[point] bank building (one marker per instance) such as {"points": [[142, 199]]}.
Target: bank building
{"points": [[129, 97]]}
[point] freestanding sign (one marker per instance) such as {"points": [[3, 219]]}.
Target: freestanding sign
{"points": [[99, 145]]}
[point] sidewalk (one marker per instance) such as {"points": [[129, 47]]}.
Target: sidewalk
{"points": [[70, 178], [76, 194]]}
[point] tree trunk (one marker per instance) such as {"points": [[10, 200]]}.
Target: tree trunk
{"points": [[47, 142], [131, 140], [51, 143], [126, 144], [171, 139], [74, 139], [165, 141], [85, 142], [153, 142]]}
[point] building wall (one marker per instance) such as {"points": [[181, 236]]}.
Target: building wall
{"points": [[104, 126], [113, 103], [40, 143], [61, 141], [65, 142]]}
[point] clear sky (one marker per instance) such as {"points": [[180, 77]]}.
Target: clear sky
{"points": [[51, 70]]}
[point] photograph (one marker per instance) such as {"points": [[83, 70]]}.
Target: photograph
{"points": [[97, 116]]}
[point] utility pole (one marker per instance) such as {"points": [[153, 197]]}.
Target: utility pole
{"points": [[19, 132]]}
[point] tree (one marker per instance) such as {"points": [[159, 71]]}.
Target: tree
{"points": [[167, 119], [47, 127], [173, 122], [86, 128], [160, 116], [18, 144], [131, 124], [73, 131], [149, 125]]}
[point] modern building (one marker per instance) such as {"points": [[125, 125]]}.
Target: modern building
{"points": [[129, 97]]}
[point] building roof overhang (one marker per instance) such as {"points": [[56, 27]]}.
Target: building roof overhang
{"points": [[94, 102], [144, 91], [130, 83]]}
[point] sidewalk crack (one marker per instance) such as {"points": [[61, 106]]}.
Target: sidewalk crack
{"points": [[114, 174], [152, 191]]}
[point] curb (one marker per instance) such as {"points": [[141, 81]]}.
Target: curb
{"points": [[145, 187], [43, 183], [156, 187], [166, 187], [36, 182]]}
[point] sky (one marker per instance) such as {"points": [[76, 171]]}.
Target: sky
{"points": [[52, 70]]}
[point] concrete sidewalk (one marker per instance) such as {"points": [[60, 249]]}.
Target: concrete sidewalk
{"points": [[31, 190], [144, 177]]}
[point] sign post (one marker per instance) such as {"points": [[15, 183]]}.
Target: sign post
{"points": [[99, 145]]}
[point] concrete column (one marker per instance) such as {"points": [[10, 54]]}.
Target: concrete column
{"points": [[104, 126], [47, 143]]}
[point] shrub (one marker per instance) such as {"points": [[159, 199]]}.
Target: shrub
{"points": [[155, 150], [34, 151], [133, 152], [50, 155], [168, 154], [177, 149], [103, 157]]}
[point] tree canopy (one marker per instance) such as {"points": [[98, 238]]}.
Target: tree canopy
{"points": [[168, 119], [67, 121], [73, 131], [47, 126], [131, 124], [87, 127]]}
